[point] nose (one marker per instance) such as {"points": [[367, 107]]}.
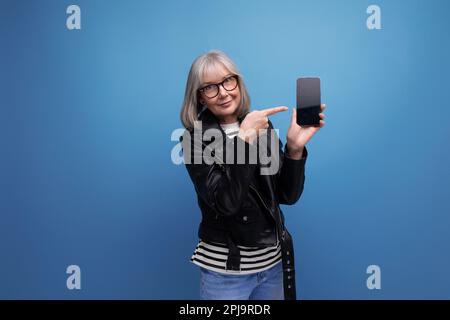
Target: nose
{"points": [[222, 91]]}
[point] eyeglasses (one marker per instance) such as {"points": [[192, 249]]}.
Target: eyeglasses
{"points": [[212, 90]]}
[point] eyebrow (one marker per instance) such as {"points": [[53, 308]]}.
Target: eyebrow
{"points": [[230, 74]]}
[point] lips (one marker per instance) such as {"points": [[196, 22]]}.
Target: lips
{"points": [[225, 104]]}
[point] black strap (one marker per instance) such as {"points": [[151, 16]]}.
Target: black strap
{"points": [[234, 254], [287, 256]]}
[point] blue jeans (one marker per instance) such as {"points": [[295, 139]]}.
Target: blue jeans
{"points": [[265, 285]]}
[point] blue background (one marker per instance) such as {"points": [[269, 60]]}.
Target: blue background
{"points": [[87, 115]]}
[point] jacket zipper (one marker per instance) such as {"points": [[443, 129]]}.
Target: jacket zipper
{"points": [[267, 208], [221, 167], [254, 189]]}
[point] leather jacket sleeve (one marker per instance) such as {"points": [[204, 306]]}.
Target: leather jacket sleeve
{"points": [[291, 177], [221, 186]]}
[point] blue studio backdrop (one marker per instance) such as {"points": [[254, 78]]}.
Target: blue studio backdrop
{"points": [[87, 115]]}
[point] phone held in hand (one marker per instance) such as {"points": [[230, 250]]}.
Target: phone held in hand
{"points": [[308, 101]]}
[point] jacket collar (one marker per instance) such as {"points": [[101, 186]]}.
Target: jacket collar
{"points": [[209, 120]]}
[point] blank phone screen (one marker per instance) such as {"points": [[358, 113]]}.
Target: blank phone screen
{"points": [[308, 101]]}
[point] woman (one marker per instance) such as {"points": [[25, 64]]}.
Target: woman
{"points": [[244, 251]]}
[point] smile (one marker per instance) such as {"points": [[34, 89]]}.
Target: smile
{"points": [[225, 104]]}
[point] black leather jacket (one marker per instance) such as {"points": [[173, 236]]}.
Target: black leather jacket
{"points": [[239, 205]]}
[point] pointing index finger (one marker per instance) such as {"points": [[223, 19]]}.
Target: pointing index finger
{"points": [[271, 111]]}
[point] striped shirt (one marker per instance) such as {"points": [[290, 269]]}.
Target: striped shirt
{"points": [[213, 256]]}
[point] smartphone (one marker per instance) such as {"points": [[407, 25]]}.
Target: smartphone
{"points": [[308, 101]]}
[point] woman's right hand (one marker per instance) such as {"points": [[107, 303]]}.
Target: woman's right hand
{"points": [[255, 121]]}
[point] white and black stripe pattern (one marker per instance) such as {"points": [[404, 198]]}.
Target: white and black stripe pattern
{"points": [[231, 129], [213, 256]]}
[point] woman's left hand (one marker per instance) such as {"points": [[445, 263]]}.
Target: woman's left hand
{"points": [[298, 137]]}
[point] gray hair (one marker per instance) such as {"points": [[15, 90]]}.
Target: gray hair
{"points": [[191, 105]]}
